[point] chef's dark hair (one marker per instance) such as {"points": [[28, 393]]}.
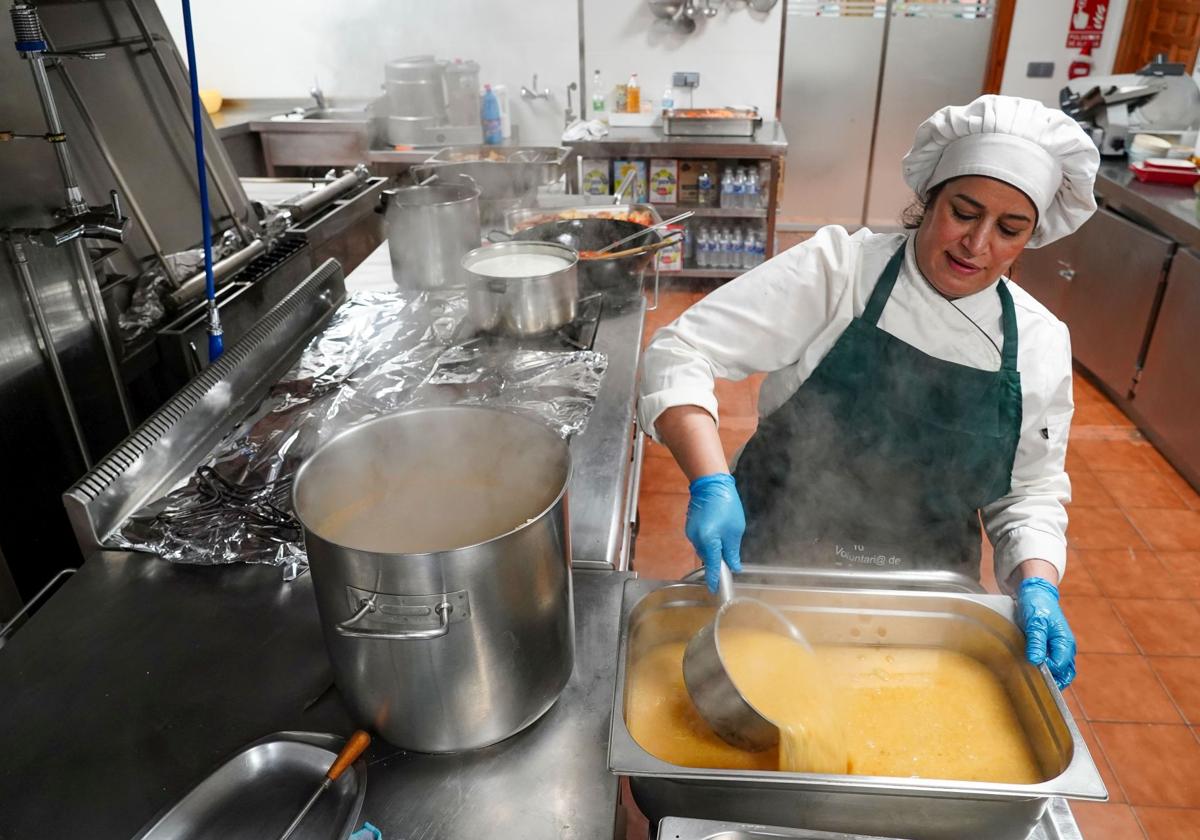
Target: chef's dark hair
{"points": [[914, 214]]}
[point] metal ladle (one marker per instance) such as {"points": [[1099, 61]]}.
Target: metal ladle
{"points": [[712, 690]]}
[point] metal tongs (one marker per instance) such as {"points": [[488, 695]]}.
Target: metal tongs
{"points": [[644, 231], [712, 690]]}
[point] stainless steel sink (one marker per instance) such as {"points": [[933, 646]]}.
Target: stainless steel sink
{"points": [[324, 114]]}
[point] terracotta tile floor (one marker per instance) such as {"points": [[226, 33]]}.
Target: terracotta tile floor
{"points": [[1132, 592]]}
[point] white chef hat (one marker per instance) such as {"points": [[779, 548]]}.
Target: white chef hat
{"points": [[1039, 150]]}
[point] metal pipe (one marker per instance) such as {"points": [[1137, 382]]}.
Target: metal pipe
{"points": [[130, 196], [193, 288], [244, 233], [318, 198], [887, 28], [43, 327], [83, 264], [75, 202]]}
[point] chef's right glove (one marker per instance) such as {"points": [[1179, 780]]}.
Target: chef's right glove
{"points": [[1048, 637], [715, 524]]}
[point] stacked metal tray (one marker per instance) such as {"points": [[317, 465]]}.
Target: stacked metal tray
{"points": [[499, 171]]}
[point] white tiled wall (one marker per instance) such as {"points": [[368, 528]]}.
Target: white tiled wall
{"points": [[1039, 33], [736, 53], [274, 48]]}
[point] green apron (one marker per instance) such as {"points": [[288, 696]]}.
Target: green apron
{"points": [[885, 454]]}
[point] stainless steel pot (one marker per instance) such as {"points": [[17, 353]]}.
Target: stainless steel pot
{"points": [[416, 98], [409, 131], [437, 540], [525, 305], [430, 229]]}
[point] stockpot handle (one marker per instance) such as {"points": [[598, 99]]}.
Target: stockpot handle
{"points": [[367, 606]]}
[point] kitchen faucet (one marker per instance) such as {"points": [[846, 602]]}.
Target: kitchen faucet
{"points": [[318, 96], [569, 115], [526, 93]]}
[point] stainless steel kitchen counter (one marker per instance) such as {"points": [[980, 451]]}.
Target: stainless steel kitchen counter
{"points": [[140, 677], [601, 455], [768, 141], [1169, 208]]}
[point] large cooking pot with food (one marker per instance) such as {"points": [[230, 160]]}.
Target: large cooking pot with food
{"points": [[437, 541], [619, 279], [430, 228], [522, 289]]}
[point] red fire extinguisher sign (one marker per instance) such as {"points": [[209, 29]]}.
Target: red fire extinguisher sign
{"points": [[1087, 23]]}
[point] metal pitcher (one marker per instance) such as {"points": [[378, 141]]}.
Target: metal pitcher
{"points": [[430, 229]]}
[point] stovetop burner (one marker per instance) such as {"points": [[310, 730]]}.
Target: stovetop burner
{"points": [[580, 334]]}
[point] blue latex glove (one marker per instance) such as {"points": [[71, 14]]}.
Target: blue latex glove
{"points": [[715, 524], [1048, 637], [367, 832]]}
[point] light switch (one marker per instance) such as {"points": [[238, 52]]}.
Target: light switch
{"points": [[685, 80]]}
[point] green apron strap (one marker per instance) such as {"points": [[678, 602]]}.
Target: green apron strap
{"points": [[1008, 355], [883, 287]]}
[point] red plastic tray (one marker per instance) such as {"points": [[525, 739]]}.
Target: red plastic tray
{"points": [[1155, 175]]}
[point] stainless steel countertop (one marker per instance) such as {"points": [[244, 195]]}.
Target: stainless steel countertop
{"points": [[140, 677], [768, 141], [601, 454], [1169, 208]]}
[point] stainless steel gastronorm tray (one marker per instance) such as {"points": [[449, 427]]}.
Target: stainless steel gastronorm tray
{"points": [[978, 625], [1056, 824], [518, 170], [257, 793]]}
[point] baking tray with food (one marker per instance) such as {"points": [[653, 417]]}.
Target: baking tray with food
{"points": [[677, 767], [519, 219], [711, 122]]}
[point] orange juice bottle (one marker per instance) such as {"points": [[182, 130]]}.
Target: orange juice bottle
{"points": [[633, 96]]}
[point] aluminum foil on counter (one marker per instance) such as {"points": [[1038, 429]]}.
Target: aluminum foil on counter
{"points": [[381, 352]]}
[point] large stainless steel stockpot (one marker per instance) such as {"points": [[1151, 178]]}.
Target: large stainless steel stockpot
{"points": [[430, 228], [437, 540], [517, 303]]}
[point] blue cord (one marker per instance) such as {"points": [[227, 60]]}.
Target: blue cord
{"points": [[216, 344]]}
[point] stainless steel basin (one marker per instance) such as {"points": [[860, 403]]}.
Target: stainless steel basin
{"points": [[980, 626]]}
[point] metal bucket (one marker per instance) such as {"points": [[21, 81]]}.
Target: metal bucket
{"points": [[429, 230], [526, 305], [437, 540]]}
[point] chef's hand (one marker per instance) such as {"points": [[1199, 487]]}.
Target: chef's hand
{"points": [[1048, 637], [715, 524]]}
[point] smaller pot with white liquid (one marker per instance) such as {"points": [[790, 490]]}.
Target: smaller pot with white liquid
{"points": [[522, 288]]}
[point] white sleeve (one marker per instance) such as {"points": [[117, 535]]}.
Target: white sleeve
{"points": [[1031, 521], [760, 322]]}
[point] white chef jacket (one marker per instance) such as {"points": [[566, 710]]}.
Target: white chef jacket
{"points": [[783, 317]]}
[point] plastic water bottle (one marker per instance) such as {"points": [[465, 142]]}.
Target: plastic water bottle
{"points": [[490, 112], [702, 248], [727, 196], [751, 191], [706, 191], [760, 249], [736, 248], [739, 188], [668, 100], [598, 103]]}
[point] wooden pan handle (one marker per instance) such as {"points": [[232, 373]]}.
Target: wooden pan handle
{"points": [[355, 747]]}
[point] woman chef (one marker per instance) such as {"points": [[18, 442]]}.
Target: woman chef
{"points": [[912, 390]]}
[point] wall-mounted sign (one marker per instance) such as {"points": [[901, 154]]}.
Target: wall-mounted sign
{"points": [[1087, 24]]}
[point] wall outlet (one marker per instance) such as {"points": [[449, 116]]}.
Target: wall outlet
{"points": [[685, 80], [1040, 70]]}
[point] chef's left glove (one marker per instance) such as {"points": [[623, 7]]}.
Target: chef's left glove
{"points": [[1048, 637], [715, 524]]}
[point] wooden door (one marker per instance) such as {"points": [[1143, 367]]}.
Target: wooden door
{"points": [[1171, 27]]}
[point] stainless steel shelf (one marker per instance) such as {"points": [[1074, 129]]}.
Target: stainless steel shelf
{"points": [[668, 210], [706, 273]]}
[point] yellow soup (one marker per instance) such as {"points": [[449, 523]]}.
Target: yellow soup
{"points": [[875, 711]]}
